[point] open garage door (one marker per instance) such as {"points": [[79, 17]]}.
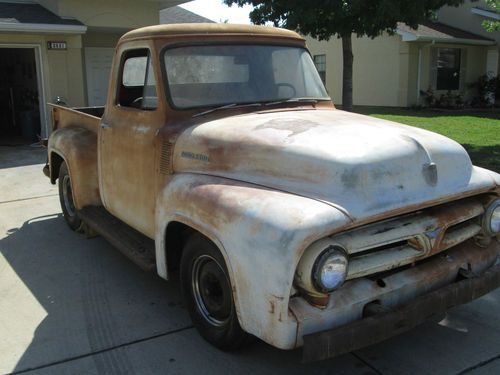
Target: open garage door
{"points": [[20, 96]]}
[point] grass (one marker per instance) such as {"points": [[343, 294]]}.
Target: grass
{"points": [[478, 132]]}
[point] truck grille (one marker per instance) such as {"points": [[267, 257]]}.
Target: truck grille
{"points": [[406, 239]]}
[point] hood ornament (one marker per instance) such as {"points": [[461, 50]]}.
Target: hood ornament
{"points": [[430, 173]]}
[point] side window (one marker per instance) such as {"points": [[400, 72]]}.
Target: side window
{"points": [[288, 72], [137, 88]]}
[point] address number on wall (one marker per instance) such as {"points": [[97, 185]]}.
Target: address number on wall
{"points": [[56, 45]]}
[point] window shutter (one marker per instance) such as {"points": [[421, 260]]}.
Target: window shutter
{"points": [[433, 71], [463, 69]]}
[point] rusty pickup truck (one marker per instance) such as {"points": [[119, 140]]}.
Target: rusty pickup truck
{"points": [[220, 158]]}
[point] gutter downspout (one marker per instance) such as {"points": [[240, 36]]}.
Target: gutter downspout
{"points": [[419, 68]]}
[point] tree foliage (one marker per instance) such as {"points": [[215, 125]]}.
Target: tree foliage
{"points": [[323, 19], [491, 25]]}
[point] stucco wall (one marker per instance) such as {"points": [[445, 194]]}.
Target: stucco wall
{"points": [[380, 69]]}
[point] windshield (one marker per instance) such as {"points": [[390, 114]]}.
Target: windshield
{"points": [[214, 75]]}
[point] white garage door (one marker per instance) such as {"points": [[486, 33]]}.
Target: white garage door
{"points": [[98, 67]]}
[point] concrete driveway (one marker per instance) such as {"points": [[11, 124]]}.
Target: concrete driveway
{"points": [[74, 305]]}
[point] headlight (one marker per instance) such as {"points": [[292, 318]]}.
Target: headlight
{"points": [[322, 268], [330, 269], [491, 218]]}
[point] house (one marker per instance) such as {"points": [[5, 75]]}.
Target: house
{"points": [[60, 48], [470, 16], [393, 70]]}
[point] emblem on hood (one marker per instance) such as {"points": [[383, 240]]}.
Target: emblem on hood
{"points": [[192, 155]]}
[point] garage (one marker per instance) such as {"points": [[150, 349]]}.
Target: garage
{"points": [[19, 95]]}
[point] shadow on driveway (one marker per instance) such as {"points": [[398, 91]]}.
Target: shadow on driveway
{"points": [[104, 315], [17, 156]]}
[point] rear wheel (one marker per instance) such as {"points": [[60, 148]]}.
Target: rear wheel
{"points": [[208, 294], [66, 198]]}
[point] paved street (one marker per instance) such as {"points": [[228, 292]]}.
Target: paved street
{"points": [[70, 305]]}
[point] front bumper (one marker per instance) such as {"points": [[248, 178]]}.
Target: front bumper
{"points": [[374, 329]]}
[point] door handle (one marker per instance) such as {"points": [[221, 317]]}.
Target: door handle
{"points": [[105, 126]]}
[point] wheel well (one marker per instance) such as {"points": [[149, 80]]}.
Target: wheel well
{"points": [[175, 237], [55, 165]]}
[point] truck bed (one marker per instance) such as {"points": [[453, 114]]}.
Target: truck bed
{"points": [[87, 117]]}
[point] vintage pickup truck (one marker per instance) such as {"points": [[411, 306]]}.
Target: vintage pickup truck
{"points": [[220, 155]]}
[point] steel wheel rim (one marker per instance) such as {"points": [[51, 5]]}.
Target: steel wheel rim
{"points": [[211, 290], [68, 196]]}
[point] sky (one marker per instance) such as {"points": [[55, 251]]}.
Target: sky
{"points": [[218, 12]]}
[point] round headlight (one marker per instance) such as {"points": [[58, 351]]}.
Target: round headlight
{"points": [[330, 269], [491, 218]]}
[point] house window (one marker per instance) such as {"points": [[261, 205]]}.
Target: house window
{"points": [[320, 62], [448, 69]]}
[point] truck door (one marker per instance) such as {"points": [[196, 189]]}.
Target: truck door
{"points": [[127, 148]]}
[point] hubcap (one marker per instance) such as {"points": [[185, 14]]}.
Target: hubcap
{"points": [[211, 290], [68, 196]]}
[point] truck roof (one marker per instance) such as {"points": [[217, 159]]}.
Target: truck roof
{"points": [[209, 28]]}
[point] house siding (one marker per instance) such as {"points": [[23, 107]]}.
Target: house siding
{"points": [[380, 70], [385, 70]]}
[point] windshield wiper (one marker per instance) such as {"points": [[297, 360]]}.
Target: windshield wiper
{"points": [[227, 106], [294, 100]]}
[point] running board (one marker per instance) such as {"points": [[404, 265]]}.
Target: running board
{"points": [[133, 244]]}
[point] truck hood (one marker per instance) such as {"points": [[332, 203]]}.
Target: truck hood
{"points": [[362, 165]]}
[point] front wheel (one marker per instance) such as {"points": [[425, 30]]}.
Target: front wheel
{"points": [[208, 294], [66, 199]]}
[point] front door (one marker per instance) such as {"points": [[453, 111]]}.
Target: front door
{"points": [[127, 147]]}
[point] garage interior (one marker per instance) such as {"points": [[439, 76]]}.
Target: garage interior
{"points": [[19, 97]]}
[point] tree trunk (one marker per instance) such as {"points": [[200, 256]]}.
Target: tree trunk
{"points": [[347, 73]]}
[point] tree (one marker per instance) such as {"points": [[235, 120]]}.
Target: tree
{"points": [[323, 19], [490, 25]]}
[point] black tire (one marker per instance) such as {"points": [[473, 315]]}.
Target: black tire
{"points": [[66, 198], [208, 294]]}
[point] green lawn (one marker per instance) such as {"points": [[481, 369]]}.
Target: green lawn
{"points": [[478, 132]]}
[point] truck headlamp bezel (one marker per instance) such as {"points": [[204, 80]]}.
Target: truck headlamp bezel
{"points": [[491, 218], [330, 269], [322, 258]]}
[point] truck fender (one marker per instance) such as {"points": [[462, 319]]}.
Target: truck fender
{"points": [[77, 146], [261, 234]]}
